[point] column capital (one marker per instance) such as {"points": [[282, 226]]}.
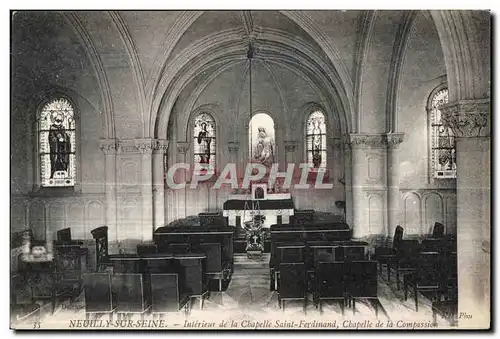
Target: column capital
{"points": [[182, 147], [144, 146], [233, 146], [394, 140], [109, 146], [160, 145], [365, 140], [290, 145], [468, 118]]}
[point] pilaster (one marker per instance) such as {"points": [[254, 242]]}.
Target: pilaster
{"points": [[470, 122], [110, 147]]}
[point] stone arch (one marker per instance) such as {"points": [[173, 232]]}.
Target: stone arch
{"points": [[96, 61], [163, 104], [467, 65]]}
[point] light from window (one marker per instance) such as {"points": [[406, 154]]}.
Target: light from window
{"points": [[316, 140], [204, 142], [261, 139], [443, 157], [56, 133]]}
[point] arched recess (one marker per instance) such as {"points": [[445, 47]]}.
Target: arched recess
{"points": [[433, 211], [261, 127], [35, 105], [466, 49], [102, 78], [204, 52], [412, 213], [135, 64], [307, 24], [333, 131], [397, 59]]}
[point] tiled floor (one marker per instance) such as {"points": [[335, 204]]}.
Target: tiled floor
{"points": [[247, 303]]}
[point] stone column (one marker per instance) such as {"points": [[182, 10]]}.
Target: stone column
{"points": [[357, 143], [469, 120], [290, 146], [145, 147], [109, 148], [365, 178], [347, 182], [181, 194], [393, 196], [233, 148], [159, 150]]}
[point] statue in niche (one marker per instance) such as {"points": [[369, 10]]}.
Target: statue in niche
{"points": [[204, 141], [264, 148], [60, 145]]}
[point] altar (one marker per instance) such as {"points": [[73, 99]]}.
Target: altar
{"points": [[253, 214], [275, 208]]}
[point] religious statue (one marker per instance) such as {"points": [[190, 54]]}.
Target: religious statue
{"points": [[204, 141], [316, 144], [264, 148], [316, 157], [60, 145], [446, 156]]}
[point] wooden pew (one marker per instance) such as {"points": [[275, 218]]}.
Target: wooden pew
{"points": [[167, 239]]}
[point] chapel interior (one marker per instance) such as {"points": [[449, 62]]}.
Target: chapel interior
{"points": [[131, 137]]}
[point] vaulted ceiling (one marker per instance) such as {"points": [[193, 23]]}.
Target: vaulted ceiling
{"points": [[132, 66]]}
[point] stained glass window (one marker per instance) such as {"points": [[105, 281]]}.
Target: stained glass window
{"points": [[316, 140], [443, 158], [56, 136], [204, 142]]}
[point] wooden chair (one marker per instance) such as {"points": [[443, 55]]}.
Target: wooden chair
{"points": [[427, 276], [384, 255], [168, 294], [289, 252], [213, 264], [131, 294], [190, 269], [361, 283], [293, 284], [330, 284], [438, 230], [21, 313], [100, 235], [64, 237], [404, 261], [99, 296], [69, 269]]}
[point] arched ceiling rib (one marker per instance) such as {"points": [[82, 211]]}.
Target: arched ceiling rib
{"points": [[206, 50]]}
